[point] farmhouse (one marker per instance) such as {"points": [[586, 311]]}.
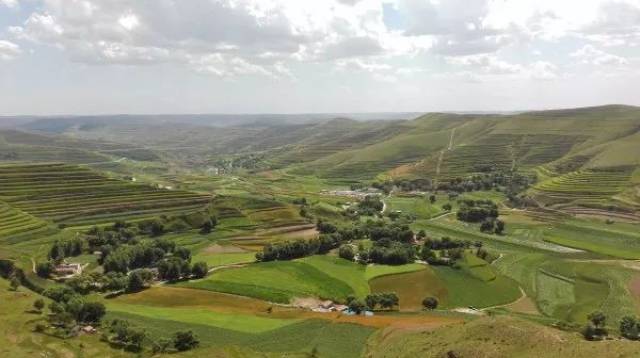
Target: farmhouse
{"points": [[66, 269]]}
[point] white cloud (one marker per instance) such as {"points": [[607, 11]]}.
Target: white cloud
{"points": [[486, 67], [542, 70], [129, 21], [259, 33], [590, 55], [9, 50], [9, 3], [488, 64]]}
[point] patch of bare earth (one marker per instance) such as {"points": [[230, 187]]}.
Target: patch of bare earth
{"points": [[305, 231], [222, 249], [634, 288], [524, 305]]}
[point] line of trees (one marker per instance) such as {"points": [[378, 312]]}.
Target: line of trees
{"points": [[331, 237], [122, 334]]}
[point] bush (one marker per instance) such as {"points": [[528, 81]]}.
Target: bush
{"points": [[346, 252], [430, 303], [45, 269], [184, 341], [38, 304], [200, 269]]}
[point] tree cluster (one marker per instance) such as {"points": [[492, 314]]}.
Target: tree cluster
{"points": [[405, 185], [369, 206], [66, 248], [445, 243], [330, 238], [122, 334], [69, 309], [388, 252], [379, 230], [492, 226], [477, 210], [508, 182], [385, 300]]}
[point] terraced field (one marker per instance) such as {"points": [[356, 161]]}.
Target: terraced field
{"points": [[75, 196], [16, 224], [500, 151], [583, 186]]}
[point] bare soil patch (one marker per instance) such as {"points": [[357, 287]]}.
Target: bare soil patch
{"points": [[634, 288], [222, 249]]}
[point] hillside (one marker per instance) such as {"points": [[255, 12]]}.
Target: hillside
{"points": [[495, 337], [563, 148]]}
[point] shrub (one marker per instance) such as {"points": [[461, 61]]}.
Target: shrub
{"points": [[430, 303], [184, 341], [346, 252]]}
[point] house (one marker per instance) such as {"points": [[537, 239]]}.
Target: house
{"points": [[88, 329], [340, 308], [326, 305], [66, 269]]}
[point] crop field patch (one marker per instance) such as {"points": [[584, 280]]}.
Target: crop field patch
{"points": [[275, 281], [231, 321], [412, 288], [465, 290]]}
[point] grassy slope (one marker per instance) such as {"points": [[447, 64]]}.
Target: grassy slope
{"points": [[496, 337], [19, 340]]}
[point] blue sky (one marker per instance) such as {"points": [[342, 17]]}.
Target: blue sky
{"points": [[293, 56]]}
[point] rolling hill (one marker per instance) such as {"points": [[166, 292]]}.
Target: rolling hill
{"points": [[583, 158]]}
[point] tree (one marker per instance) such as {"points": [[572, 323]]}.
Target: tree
{"points": [[487, 226], [135, 282], [184, 341], [116, 281], [346, 252], [371, 301], [432, 198], [596, 330], [14, 283], [206, 227], [447, 207], [183, 253], [598, 319], [630, 328], [356, 306], [499, 227], [38, 304], [427, 254], [44, 269], [430, 303], [388, 300], [200, 269], [135, 337], [156, 228], [91, 313]]}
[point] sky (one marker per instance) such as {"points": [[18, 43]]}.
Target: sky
{"points": [[315, 56]]}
